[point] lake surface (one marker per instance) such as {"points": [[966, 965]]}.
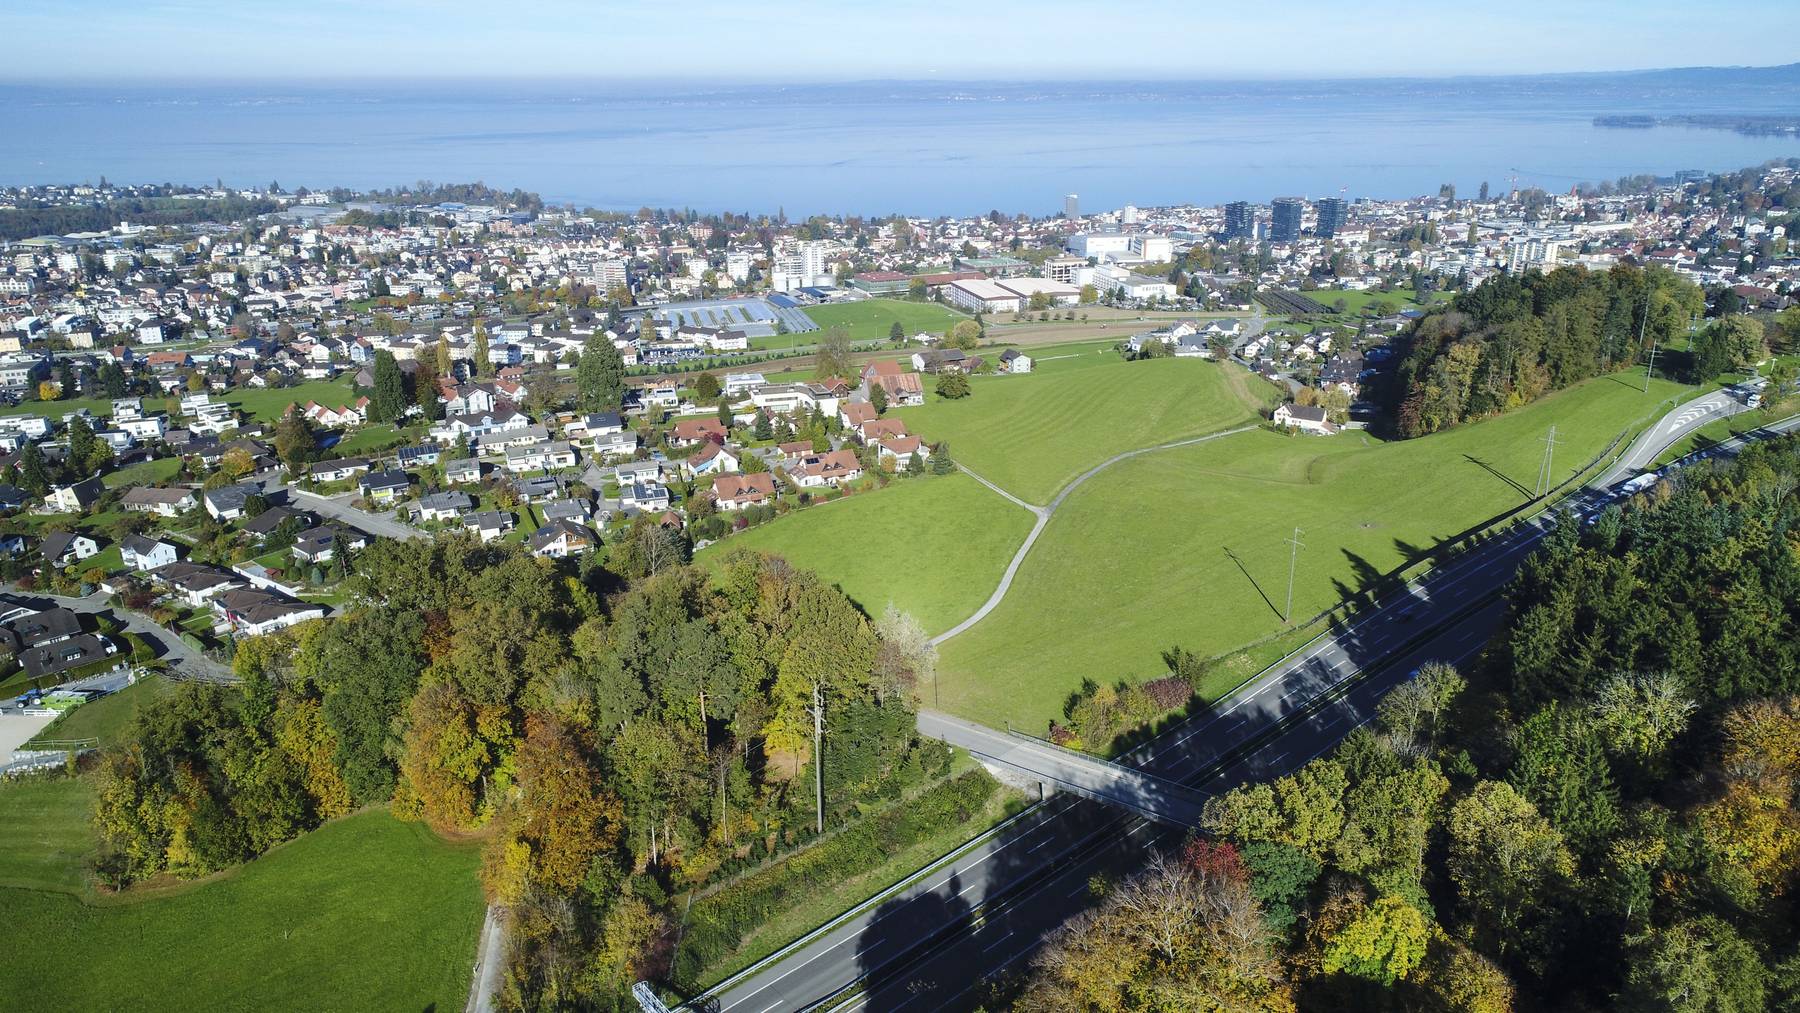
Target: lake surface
{"points": [[877, 148]]}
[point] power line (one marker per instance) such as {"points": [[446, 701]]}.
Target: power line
{"points": [[1293, 560]]}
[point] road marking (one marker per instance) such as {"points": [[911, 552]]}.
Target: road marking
{"points": [[997, 942]]}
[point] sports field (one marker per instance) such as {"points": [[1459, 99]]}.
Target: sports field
{"points": [[871, 319], [1188, 546], [934, 546], [1033, 434], [366, 912]]}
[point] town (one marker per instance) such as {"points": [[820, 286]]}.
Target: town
{"points": [[622, 494]]}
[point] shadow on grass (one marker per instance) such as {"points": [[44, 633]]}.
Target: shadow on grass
{"points": [[1497, 473], [1246, 572]]}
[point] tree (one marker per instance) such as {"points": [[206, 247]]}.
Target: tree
{"points": [[940, 462], [878, 398], [387, 402], [483, 365], [48, 390], [897, 333], [1504, 859], [81, 442], [706, 387], [445, 366], [965, 335], [563, 816], [600, 375], [952, 386], [1697, 966], [34, 477], [1385, 943], [833, 356]]}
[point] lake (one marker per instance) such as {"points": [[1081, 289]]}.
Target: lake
{"points": [[876, 148]]}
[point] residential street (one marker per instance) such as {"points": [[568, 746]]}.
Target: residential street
{"points": [[169, 647]]}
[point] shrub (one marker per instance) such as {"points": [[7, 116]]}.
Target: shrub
{"points": [[1169, 692]]}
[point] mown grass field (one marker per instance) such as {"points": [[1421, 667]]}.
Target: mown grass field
{"points": [[267, 404], [144, 473], [934, 546], [44, 839], [364, 913], [1033, 434], [1358, 303], [1188, 546], [871, 319]]}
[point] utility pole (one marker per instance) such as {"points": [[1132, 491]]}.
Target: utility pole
{"points": [[818, 714], [1547, 470], [1293, 560], [1652, 363]]}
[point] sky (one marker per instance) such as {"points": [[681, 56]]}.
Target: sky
{"points": [[805, 40]]}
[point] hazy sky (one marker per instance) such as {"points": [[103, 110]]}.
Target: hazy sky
{"points": [[851, 39]]}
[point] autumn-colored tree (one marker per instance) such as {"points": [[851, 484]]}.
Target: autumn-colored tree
{"points": [[443, 760], [563, 817], [302, 734]]}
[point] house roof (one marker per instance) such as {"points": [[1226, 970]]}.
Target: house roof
{"points": [[738, 486]]}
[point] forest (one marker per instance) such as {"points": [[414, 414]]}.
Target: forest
{"points": [[1598, 813], [615, 736], [1516, 338]]}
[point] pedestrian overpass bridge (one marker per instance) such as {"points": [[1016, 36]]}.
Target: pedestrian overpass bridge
{"points": [[1147, 795]]}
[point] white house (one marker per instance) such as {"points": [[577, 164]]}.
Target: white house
{"points": [[1306, 418]]}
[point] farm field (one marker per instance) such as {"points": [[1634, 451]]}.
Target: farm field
{"points": [[934, 546], [870, 319], [366, 912], [1033, 434], [1187, 546]]}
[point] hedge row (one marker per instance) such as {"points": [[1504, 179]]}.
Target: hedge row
{"points": [[718, 923]]}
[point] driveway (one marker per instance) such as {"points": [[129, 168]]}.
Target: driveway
{"points": [[338, 508]]}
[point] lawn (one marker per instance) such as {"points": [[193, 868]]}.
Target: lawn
{"points": [[145, 473], [267, 404], [933, 546], [363, 913], [1359, 302], [44, 837], [871, 319], [1033, 434], [370, 439], [1188, 546]]}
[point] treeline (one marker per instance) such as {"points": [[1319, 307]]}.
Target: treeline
{"points": [[24, 223], [1515, 338], [616, 733], [1600, 816]]}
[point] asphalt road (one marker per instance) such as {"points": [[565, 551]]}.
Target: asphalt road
{"points": [[168, 646], [933, 944], [340, 509]]}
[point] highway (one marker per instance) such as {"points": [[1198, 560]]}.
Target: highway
{"points": [[931, 945]]}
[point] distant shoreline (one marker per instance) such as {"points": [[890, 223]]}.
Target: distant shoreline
{"points": [[1748, 125]]}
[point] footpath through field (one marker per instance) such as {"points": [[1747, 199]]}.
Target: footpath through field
{"points": [[1044, 513]]}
